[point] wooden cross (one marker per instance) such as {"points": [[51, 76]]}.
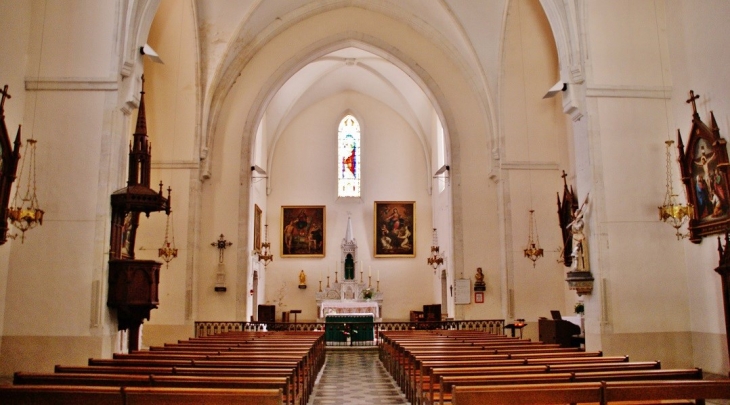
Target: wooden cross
{"points": [[5, 94], [564, 176], [692, 98]]}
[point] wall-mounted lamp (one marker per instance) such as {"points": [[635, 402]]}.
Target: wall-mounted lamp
{"points": [[150, 53], [557, 88], [442, 170]]}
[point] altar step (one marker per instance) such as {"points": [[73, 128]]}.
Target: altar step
{"points": [[355, 376]]}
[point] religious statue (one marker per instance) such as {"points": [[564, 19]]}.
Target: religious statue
{"points": [[479, 284], [302, 279], [580, 252], [349, 268]]}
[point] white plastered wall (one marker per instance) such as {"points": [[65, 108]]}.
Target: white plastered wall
{"points": [[55, 289], [392, 37], [698, 37], [534, 135], [640, 303]]}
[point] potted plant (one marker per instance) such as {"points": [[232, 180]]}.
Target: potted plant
{"points": [[579, 308], [367, 294]]}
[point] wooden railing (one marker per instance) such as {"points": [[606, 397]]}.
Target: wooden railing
{"points": [[209, 328]]}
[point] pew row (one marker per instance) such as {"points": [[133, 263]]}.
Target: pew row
{"points": [[622, 392], [88, 395], [447, 383]]}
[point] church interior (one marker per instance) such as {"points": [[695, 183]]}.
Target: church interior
{"points": [[502, 159]]}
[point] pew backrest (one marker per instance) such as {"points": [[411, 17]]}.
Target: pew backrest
{"points": [[527, 394]]}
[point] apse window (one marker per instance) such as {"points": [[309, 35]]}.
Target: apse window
{"points": [[348, 155]]}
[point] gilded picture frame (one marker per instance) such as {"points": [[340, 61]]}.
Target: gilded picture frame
{"points": [[257, 228], [303, 231], [394, 228], [705, 174]]}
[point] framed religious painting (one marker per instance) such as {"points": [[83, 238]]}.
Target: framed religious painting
{"points": [[395, 228], [303, 231], [704, 166], [256, 228]]}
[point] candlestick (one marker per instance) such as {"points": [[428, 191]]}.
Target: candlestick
{"points": [[361, 275], [320, 285], [335, 276], [377, 288], [370, 283], [328, 281]]}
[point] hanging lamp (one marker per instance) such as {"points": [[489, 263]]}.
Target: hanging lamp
{"points": [[436, 259], [672, 212], [533, 250], [168, 251], [25, 213], [265, 255]]}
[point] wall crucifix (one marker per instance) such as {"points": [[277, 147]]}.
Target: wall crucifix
{"points": [[221, 244]]}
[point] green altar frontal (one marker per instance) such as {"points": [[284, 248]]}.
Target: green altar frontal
{"points": [[358, 326]]}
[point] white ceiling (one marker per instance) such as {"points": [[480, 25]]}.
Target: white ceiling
{"points": [[471, 29], [350, 69]]}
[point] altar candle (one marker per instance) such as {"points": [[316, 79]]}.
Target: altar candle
{"points": [[370, 272], [378, 273]]}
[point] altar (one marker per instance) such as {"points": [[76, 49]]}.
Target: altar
{"points": [[329, 307], [357, 327], [345, 297]]}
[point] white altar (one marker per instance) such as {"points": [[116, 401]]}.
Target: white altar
{"points": [[329, 307], [345, 297], [348, 296]]}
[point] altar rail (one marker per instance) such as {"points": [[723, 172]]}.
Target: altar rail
{"points": [[205, 328]]}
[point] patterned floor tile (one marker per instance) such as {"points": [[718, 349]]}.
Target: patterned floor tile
{"points": [[355, 376]]}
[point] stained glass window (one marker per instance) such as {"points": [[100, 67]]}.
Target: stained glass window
{"points": [[348, 156]]}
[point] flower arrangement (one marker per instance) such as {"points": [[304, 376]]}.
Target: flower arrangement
{"points": [[367, 293], [579, 308], [347, 330]]}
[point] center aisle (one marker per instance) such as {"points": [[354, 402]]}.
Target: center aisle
{"points": [[355, 376]]}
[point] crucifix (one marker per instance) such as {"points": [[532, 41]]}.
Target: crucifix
{"points": [[221, 244], [5, 95], [691, 100]]}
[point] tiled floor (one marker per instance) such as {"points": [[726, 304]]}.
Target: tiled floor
{"points": [[355, 376]]}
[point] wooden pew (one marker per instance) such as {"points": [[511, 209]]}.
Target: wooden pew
{"points": [[301, 376], [437, 373], [698, 391], [425, 366], [86, 395], [60, 395], [443, 396], [285, 362], [527, 394], [624, 392], [138, 380], [196, 396]]}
